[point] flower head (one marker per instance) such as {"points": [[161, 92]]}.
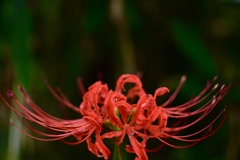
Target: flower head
{"points": [[125, 112]]}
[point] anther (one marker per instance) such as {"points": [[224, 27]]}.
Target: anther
{"points": [[10, 94], [11, 122], [215, 87]]}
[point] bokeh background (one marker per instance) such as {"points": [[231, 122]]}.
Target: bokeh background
{"points": [[158, 39]]}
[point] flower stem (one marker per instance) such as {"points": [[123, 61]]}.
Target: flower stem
{"points": [[116, 153]]}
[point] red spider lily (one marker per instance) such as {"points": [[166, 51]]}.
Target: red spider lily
{"points": [[131, 113]]}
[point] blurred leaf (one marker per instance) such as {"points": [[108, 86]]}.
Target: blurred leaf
{"points": [[95, 14], [20, 36], [193, 48], [20, 30], [132, 15]]}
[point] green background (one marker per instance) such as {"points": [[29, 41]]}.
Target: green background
{"points": [[99, 39]]}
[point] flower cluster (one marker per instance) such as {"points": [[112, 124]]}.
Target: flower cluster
{"points": [[108, 114]]}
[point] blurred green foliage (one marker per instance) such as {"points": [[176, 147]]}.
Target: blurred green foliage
{"points": [[160, 39]]}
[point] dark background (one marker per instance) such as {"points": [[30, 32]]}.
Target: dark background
{"points": [[159, 39]]}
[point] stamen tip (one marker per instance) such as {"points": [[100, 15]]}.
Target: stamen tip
{"points": [[45, 81], [216, 86], [222, 86], [79, 79], [21, 89], [214, 79], [10, 94], [58, 89], [183, 79], [11, 122], [214, 100], [224, 109]]}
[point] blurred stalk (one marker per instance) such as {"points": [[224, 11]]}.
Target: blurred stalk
{"points": [[126, 44], [19, 31], [233, 147], [193, 48], [14, 138], [116, 153], [127, 52]]}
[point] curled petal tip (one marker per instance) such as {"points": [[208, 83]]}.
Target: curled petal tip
{"points": [[160, 91], [10, 94]]}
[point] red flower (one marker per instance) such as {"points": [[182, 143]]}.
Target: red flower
{"points": [[131, 113]]}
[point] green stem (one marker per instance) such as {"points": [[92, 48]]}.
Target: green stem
{"points": [[116, 153]]}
